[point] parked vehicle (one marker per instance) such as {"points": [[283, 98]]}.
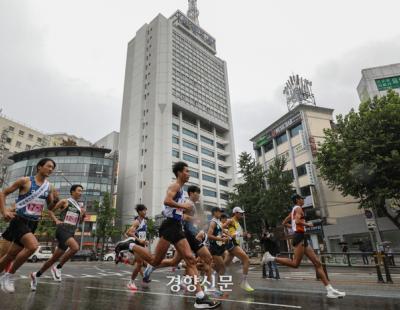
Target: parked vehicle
{"points": [[84, 255], [110, 257], [42, 253]]}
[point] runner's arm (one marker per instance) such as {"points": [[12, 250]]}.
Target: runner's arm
{"points": [[9, 214], [299, 221], [53, 198], [169, 198], [286, 221], [62, 204], [210, 233], [130, 232]]}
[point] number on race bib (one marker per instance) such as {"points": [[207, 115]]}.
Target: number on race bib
{"points": [[71, 218]]}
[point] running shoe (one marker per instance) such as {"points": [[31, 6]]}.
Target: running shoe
{"points": [[267, 257], [131, 285], [339, 293], [7, 283], [123, 245], [56, 273], [34, 281], [206, 303], [246, 286], [147, 273]]}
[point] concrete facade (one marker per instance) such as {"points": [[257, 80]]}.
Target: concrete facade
{"points": [[175, 107], [376, 81]]}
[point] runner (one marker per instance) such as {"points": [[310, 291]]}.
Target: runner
{"points": [[301, 246], [71, 215], [35, 194], [217, 241], [196, 239], [138, 230], [171, 231], [233, 246]]}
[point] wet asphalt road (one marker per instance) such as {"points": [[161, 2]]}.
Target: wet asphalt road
{"points": [[98, 285]]}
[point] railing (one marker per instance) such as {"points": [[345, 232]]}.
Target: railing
{"points": [[381, 261]]}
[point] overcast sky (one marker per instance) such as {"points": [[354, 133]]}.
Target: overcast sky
{"points": [[62, 63]]}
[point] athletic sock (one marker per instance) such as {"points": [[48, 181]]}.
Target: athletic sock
{"points": [[59, 266], [131, 246], [329, 287], [200, 295], [244, 277], [38, 274]]}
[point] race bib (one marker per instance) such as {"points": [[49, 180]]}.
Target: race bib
{"points": [[35, 207], [142, 235], [71, 218], [219, 243]]}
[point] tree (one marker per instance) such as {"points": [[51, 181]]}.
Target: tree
{"points": [[360, 154], [264, 207], [280, 189], [249, 193], [105, 227], [46, 229]]}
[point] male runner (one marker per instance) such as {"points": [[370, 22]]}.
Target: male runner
{"points": [[301, 246], [35, 194], [171, 231], [71, 215], [194, 236], [138, 230], [217, 241], [233, 246]]}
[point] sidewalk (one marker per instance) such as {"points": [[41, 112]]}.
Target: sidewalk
{"points": [[357, 282]]}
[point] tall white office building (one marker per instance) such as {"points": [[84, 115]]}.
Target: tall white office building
{"points": [[175, 107]]}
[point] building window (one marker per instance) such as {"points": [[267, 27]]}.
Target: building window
{"points": [[220, 146], [281, 139], [295, 130], [175, 140], [194, 174], [175, 153], [189, 133], [175, 127], [207, 152], [209, 178], [189, 145], [221, 157], [259, 153], [190, 158], [8, 140], [223, 182], [18, 144], [208, 164], [269, 146], [30, 137], [222, 169], [27, 147], [11, 128], [207, 140], [224, 196], [209, 193], [21, 133], [305, 191], [39, 140], [301, 170]]}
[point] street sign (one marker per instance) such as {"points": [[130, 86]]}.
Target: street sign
{"points": [[370, 219]]}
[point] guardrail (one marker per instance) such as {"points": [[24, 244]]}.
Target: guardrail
{"points": [[381, 261]]}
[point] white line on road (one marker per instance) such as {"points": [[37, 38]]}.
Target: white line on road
{"points": [[177, 295]]}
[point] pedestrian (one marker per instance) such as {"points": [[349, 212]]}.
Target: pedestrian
{"points": [[364, 249], [270, 245], [390, 256]]}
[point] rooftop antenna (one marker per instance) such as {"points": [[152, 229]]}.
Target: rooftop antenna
{"points": [[193, 12], [298, 91]]}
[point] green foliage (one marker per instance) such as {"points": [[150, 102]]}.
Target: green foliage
{"points": [[263, 206], [105, 227], [360, 154]]}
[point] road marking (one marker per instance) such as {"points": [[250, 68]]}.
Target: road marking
{"points": [[193, 297]]}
